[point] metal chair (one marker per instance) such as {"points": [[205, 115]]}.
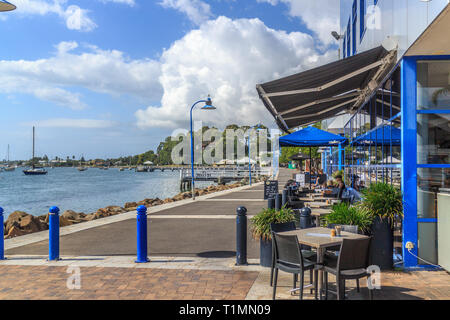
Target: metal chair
{"points": [[352, 263], [333, 252], [289, 258], [282, 227]]}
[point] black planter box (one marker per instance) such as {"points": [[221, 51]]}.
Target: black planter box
{"points": [[382, 245], [265, 253]]}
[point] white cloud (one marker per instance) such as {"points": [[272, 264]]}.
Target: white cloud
{"points": [[197, 11], [227, 58], [72, 123], [74, 17], [128, 2], [103, 71], [320, 16]]}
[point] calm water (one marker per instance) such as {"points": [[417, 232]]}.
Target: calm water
{"points": [[84, 191]]}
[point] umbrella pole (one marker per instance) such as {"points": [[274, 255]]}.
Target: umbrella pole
{"points": [[310, 172]]}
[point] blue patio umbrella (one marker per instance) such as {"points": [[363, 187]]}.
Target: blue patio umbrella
{"points": [[312, 137], [6, 6], [380, 137]]}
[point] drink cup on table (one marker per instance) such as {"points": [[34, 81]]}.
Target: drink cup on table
{"points": [[333, 233], [338, 230]]}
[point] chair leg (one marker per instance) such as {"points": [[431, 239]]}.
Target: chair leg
{"points": [[316, 280], [357, 286], [302, 284], [340, 284], [295, 281], [275, 280], [311, 280], [271, 276], [325, 275]]}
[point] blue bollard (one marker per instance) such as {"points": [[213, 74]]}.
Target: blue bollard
{"points": [[241, 236], [2, 234], [141, 232], [53, 234]]}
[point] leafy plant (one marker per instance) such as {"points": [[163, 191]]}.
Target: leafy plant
{"points": [[383, 200], [261, 222], [338, 173], [345, 214]]}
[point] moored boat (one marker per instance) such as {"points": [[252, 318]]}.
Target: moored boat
{"points": [[34, 171]]}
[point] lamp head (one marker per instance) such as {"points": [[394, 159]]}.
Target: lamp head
{"points": [[208, 105], [6, 6], [336, 35]]}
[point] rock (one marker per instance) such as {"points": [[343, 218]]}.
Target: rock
{"points": [[113, 210], [24, 222], [72, 215], [129, 205], [14, 232], [64, 222], [101, 213], [90, 217]]}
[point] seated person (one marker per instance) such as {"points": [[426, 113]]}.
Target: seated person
{"points": [[321, 179], [353, 195], [340, 186]]}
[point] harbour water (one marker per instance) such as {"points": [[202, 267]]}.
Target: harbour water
{"points": [[85, 191]]}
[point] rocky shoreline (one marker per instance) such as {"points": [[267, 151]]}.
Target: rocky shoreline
{"points": [[20, 223]]}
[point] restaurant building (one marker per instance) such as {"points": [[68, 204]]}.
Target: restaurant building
{"points": [[393, 79]]}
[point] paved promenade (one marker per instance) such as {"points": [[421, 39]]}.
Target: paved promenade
{"points": [[192, 251]]}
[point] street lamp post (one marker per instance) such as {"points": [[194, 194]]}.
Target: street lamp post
{"points": [[249, 158], [208, 106]]}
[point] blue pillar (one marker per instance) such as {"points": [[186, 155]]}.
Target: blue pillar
{"points": [[340, 156], [2, 241], [53, 234], [325, 161], [141, 232], [409, 157]]}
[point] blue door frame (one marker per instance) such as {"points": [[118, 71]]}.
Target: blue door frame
{"points": [[409, 155]]}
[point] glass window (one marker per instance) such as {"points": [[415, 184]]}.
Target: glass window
{"points": [[433, 138], [433, 85], [429, 182], [427, 242]]}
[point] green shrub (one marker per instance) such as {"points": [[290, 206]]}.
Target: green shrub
{"points": [[345, 214], [261, 222], [383, 200]]}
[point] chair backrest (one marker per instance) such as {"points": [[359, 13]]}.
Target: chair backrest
{"points": [[354, 254], [287, 249], [281, 227]]}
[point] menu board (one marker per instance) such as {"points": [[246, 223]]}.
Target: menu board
{"points": [[270, 189], [300, 178]]}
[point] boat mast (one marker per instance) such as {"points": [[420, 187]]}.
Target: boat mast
{"points": [[8, 156], [32, 159]]}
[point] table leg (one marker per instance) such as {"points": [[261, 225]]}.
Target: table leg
{"points": [[320, 275]]}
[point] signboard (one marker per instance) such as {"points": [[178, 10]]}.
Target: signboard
{"points": [[300, 178], [270, 189]]}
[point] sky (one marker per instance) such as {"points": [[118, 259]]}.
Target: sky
{"points": [[111, 78]]}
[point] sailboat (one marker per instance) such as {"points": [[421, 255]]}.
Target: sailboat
{"points": [[34, 171], [81, 167], [9, 167]]}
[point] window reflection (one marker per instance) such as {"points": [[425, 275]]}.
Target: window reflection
{"points": [[433, 85], [433, 138], [430, 181]]}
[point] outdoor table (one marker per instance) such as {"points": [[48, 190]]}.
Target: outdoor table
{"points": [[319, 213], [320, 239], [317, 205]]}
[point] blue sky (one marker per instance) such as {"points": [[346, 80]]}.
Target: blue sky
{"points": [[109, 78]]}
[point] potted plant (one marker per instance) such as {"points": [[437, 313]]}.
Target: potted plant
{"points": [[384, 203], [345, 214], [261, 230]]}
